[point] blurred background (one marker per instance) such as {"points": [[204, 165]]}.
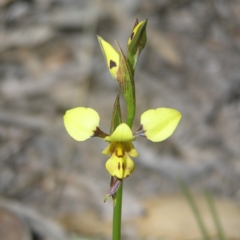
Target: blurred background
{"points": [[53, 187]]}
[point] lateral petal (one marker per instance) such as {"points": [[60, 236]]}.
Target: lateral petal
{"points": [[81, 122], [160, 123]]}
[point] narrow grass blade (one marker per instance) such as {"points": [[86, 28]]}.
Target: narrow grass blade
{"points": [[195, 210]]}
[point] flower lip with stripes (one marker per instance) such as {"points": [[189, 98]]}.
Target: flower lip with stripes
{"points": [[156, 125]]}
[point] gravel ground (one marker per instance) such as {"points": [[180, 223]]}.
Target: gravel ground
{"points": [[50, 61]]}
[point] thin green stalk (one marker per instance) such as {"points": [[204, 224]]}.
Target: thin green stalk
{"points": [[195, 210], [117, 210], [117, 215], [211, 205]]}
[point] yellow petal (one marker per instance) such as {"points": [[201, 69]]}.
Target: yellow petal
{"points": [[125, 146], [108, 149], [81, 122], [130, 149], [111, 56], [120, 167], [121, 134], [133, 152], [160, 123]]}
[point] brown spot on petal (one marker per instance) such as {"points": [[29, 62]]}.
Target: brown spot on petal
{"points": [[118, 155], [123, 166], [112, 64], [119, 166], [99, 133]]}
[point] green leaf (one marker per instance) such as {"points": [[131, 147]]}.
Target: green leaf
{"points": [[195, 210], [126, 84], [214, 215], [116, 115]]}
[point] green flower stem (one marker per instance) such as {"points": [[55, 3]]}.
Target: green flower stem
{"points": [[125, 79], [117, 210], [117, 215]]}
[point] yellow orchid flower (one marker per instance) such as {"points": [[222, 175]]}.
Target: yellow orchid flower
{"points": [[156, 125]]}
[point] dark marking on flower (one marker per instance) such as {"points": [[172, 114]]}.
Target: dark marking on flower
{"points": [[112, 181], [132, 35], [112, 64], [123, 166], [140, 132], [119, 166], [99, 133], [118, 155]]}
